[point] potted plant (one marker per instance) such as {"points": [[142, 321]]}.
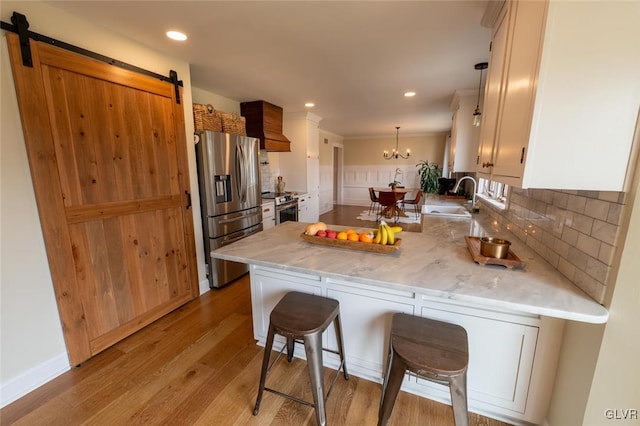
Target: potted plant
{"points": [[395, 181], [393, 184], [429, 174]]}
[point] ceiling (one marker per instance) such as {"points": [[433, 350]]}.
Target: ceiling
{"points": [[353, 59]]}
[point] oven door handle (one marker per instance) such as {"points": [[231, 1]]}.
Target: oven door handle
{"points": [[287, 206]]}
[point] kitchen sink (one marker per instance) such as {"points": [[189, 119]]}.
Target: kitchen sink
{"points": [[446, 211]]}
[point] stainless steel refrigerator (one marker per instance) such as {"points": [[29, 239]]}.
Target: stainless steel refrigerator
{"points": [[229, 180]]}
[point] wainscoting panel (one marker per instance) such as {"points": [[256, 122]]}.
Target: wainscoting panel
{"points": [[358, 179], [326, 189]]}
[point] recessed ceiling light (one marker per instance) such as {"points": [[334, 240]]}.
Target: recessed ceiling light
{"points": [[309, 104], [409, 94], [176, 35]]}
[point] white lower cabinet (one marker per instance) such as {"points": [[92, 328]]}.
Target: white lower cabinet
{"points": [[512, 355], [366, 322], [501, 352], [268, 286], [268, 215]]}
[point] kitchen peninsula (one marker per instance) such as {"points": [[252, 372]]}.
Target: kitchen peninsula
{"points": [[514, 318]]}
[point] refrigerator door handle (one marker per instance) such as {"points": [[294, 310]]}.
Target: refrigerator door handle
{"points": [[243, 173], [238, 174]]}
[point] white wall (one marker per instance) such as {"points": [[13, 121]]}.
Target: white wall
{"points": [[32, 346], [616, 382], [365, 166], [598, 368]]}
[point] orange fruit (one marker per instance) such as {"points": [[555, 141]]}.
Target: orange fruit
{"points": [[350, 231], [366, 237], [353, 237], [342, 235]]}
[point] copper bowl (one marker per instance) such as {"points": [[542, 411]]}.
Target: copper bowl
{"points": [[494, 247]]}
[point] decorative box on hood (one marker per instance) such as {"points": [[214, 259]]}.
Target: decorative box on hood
{"points": [[264, 121]]}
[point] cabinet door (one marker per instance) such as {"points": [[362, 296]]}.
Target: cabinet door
{"points": [[501, 354], [366, 323], [492, 94], [523, 59], [268, 215], [303, 208]]}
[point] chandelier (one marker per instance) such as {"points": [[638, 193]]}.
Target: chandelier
{"points": [[395, 154]]}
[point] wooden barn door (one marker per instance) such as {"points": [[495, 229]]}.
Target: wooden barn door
{"points": [[108, 160]]}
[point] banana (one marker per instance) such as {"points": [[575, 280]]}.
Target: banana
{"points": [[378, 236], [385, 235], [391, 237], [396, 229]]}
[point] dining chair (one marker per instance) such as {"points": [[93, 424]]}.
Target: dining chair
{"points": [[388, 200], [375, 204], [415, 202]]}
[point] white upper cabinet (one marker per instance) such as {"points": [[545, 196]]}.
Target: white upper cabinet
{"points": [[464, 135], [562, 95]]}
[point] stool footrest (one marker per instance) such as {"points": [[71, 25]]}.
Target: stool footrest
{"points": [[291, 397], [302, 401]]}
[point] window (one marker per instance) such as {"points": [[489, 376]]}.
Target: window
{"points": [[493, 192]]}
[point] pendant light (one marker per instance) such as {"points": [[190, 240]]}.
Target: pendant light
{"points": [[477, 114], [395, 154]]}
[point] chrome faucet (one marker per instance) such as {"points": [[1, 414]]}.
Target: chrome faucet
{"points": [[475, 188]]}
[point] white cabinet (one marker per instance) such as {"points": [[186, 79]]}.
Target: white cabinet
{"points": [[512, 355], [268, 215], [501, 353], [562, 95], [268, 287], [301, 166], [493, 90], [366, 322], [307, 210], [463, 150]]}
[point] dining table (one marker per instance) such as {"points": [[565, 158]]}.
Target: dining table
{"points": [[392, 208]]}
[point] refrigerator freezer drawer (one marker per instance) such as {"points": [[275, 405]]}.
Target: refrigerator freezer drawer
{"points": [[222, 272], [233, 222]]}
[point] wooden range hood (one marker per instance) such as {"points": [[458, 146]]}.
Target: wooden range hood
{"points": [[264, 121]]}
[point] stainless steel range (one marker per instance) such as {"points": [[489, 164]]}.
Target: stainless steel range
{"points": [[286, 206]]}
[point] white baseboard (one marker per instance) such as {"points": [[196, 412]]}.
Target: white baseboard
{"points": [[33, 378], [204, 286]]}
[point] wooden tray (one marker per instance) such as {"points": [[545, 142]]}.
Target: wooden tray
{"points": [[512, 261], [353, 245]]}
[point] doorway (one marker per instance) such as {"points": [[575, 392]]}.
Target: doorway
{"points": [[338, 153]]}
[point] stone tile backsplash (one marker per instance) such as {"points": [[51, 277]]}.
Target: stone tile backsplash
{"points": [[268, 175], [575, 231]]}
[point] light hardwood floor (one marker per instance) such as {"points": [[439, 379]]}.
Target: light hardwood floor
{"points": [[200, 365]]}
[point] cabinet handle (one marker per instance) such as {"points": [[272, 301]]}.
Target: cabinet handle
{"points": [[522, 156], [266, 210], [487, 165]]}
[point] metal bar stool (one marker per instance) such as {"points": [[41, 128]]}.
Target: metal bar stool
{"points": [[304, 316], [434, 350]]}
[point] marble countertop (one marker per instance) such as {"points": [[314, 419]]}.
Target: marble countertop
{"points": [[436, 263]]}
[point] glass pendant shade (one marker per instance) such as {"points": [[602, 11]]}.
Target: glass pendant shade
{"points": [[477, 114]]}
